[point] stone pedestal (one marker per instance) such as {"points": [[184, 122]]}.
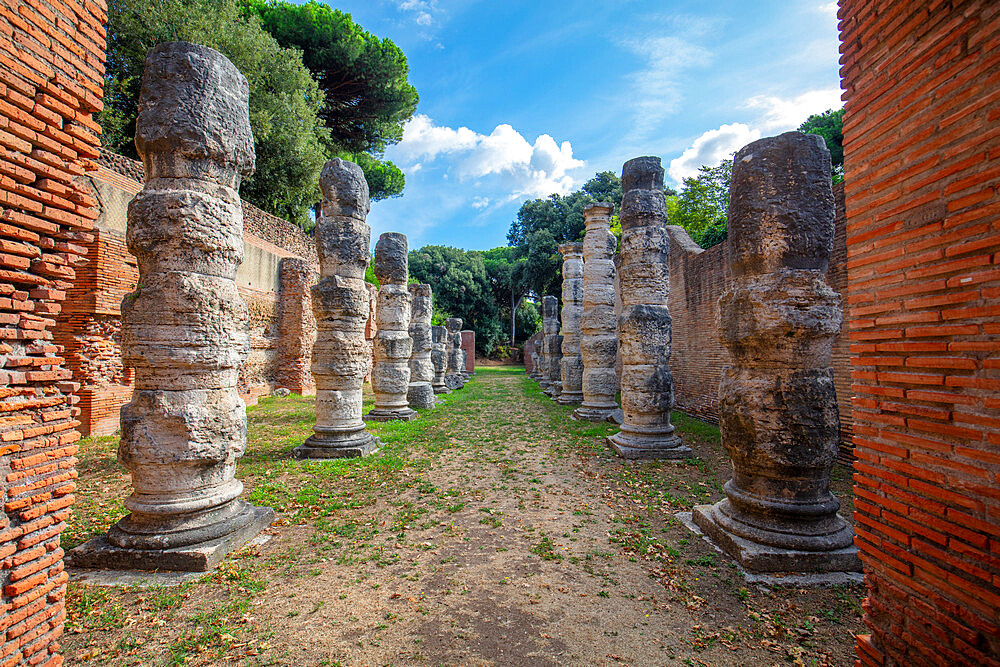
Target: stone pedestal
{"points": [[454, 378], [551, 347], [421, 392], [647, 385], [439, 358], [777, 403], [598, 339], [571, 366], [341, 305], [391, 373], [185, 328]]}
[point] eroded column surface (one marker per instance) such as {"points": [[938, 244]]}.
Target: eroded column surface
{"points": [[571, 366], [777, 402], [341, 305], [598, 338], [421, 392], [185, 328], [455, 379], [644, 324], [439, 357], [391, 373], [551, 347]]}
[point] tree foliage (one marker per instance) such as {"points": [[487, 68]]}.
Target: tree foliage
{"points": [[702, 205], [830, 126], [285, 101]]}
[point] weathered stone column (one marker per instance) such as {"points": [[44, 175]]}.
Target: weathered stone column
{"points": [[550, 329], [598, 339], [454, 378], [571, 367], [777, 402], [185, 328], [644, 324], [297, 326], [439, 357], [340, 359], [469, 352], [391, 373], [420, 393]]}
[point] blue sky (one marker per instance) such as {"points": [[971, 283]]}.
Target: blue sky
{"points": [[521, 99]]}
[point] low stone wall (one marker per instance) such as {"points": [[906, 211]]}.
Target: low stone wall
{"points": [[89, 325], [697, 278]]}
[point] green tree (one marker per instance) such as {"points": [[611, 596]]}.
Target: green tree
{"points": [[285, 100], [830, 126], [505, 271], [605, 186], [702, 205], [368, 95]]}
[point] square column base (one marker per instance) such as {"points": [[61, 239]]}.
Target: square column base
{"points": [[403, 415], [755, 557], [99, 554]]}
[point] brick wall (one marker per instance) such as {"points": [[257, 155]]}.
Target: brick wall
{"points": [[922, 145], [697, 278], [51, 63]]}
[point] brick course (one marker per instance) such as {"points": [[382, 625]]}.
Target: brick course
{"points": [[922, 156], [51, 64]]}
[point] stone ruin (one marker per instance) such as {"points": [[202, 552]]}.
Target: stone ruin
{"points": [[551, 361], [778, 405], [421, 392], [598, 338], [341, 303], [455, 376], [571, 366], [469, 350], [391, 373], [184, 329], [644, 323], [439, 358]]}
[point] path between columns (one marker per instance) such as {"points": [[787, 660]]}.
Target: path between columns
{"points": [[492, 530]]}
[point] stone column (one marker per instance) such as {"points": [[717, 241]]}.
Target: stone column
{"points": [[391, 373], [439, 357], [571, 367], [777, 402], [644, 324], [340, 359], [598, 339], [297, 326], [185, 328], [420, 393], [454, 378], [550, 328], [469, 350]]}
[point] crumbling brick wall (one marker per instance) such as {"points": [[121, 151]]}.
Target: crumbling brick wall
{"points": [[697, 279], [51, 64], [922, 146]]}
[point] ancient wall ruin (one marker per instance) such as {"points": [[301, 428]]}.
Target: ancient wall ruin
{"points": [[922, 147], [51, 66], [697, 278], [89, 325]]}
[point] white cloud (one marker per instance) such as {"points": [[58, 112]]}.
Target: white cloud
{"points": [[480, 202], [656, 90], [423, 10], [710, 149], [828, 8], [780, 114], [520, 169]]}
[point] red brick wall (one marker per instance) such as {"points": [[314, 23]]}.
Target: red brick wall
{"points": [[51, 62], [697, 279], [922, 145]]}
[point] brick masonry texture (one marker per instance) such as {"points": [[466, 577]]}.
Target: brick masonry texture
{"points": [[51, 64], [922, 146], [697, 279], [89, 325]]}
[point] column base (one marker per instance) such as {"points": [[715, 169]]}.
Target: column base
{"points": [[632, 448], [383, 415], [570, 398], [421, 395], [756, 557], [454, 382], [589, 414], [316, 447], [99, 553], [443, 389]]}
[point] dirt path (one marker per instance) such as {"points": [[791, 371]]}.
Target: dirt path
{"points": [[491, 531]]}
